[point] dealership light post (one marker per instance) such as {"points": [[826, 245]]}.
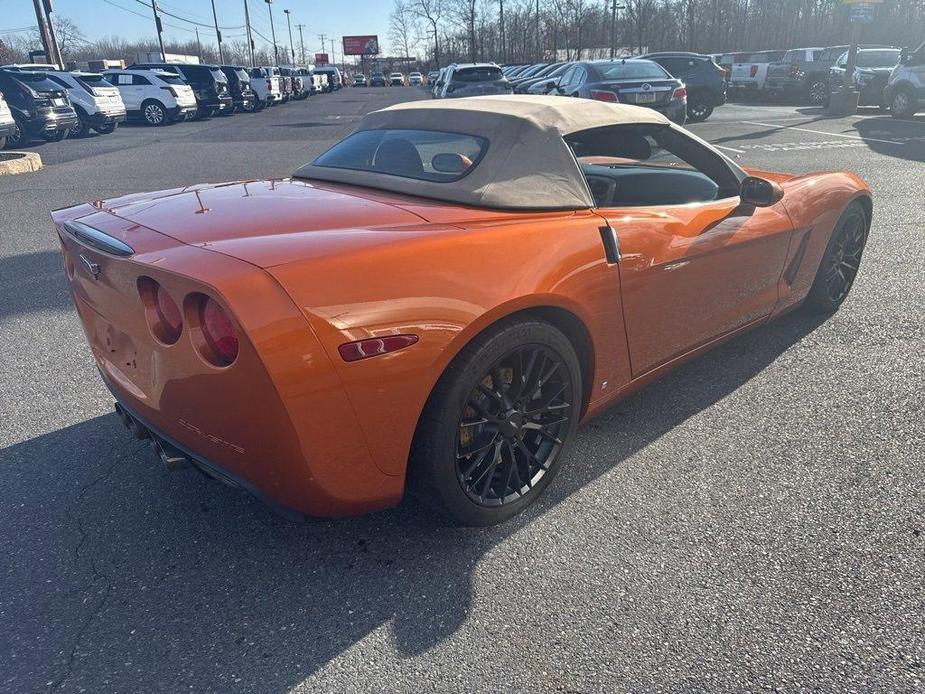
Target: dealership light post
{"points": [[273, 32], [613, 26], [218, 35], [500, 26], [291, 43]]}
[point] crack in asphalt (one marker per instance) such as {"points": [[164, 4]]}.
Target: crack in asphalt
{"points": [[97, 574]]}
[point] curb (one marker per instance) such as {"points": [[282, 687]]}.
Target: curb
{"points": [[19, 162]]}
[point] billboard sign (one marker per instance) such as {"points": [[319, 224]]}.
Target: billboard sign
{"points": [[862, 13], [361, 45], [321, 59]]}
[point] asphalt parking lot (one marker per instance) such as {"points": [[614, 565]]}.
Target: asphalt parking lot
{"points": [[755, 520]]}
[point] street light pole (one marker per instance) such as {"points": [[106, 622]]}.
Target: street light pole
{"points": [[218, 34], [291, 44], [501, 27], [273, 32], [250, 37], [613, 26]]}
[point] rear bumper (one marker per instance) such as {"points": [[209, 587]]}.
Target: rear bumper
{"points": [[55, 123], [6, 127], [276, 422], [107, 118]]}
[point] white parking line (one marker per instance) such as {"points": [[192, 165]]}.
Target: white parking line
{"points": [[731, 149], [823, 132]]}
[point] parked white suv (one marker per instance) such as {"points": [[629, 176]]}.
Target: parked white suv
{"points": [[904, 93], [155, 97], [265, 81], [7, 124], [98, 104]]}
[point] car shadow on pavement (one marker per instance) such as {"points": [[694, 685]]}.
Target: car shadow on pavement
{"points": [[39, 278], [124, 577], [894, 137]]}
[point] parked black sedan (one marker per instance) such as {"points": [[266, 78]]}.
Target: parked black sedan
{"points": [[627, 81]]}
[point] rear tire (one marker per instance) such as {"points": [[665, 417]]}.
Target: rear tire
{"points": [[18, 137], [106, 129], [154, 113], [492, 434], [840, 262], [698, 110], [903, 104], [82, 129], [818, 92], [55, 136]]}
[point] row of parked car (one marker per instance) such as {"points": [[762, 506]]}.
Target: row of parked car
{"points": [[885, 76], [393, 79], [38, 101], [683, 86]]}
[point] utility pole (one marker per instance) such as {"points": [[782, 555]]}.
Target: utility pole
{"points": [[43, 30], [501, 25], [160, 29], [199, 44], [218, 34], [322, 37], [291, 44], [55, 56], [273, 32], [250, 37], [539, 42], [301, 44], [613, 26]]}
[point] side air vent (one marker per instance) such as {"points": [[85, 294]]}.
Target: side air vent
{"points": [[98, 240]]}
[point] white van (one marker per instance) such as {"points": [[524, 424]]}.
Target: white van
{"points": [[155, 97]]}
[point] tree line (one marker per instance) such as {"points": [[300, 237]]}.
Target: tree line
{"points": [[444, 31]]}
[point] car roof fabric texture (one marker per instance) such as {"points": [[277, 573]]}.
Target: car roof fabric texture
{"points": [[527, 164]]}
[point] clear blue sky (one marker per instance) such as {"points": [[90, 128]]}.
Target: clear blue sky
{"points": [[99, 18]]}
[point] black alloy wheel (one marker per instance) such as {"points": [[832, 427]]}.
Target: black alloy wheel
{"points": [[55, 135], [82, 129], [107, 129], [17, 137], [841, 261], [492, 434], [698, 110]]}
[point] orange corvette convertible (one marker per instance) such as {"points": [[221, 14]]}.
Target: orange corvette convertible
{"points": [[438, 300]]}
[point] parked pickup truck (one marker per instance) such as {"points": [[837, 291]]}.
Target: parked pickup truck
{"points": [[872, 70], [748, 77]]}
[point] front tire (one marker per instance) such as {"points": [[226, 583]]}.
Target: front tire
{"points": [[818, 92], [840, 262], [492, 434]]}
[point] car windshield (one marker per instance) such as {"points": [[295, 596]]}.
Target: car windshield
{"points": [[426, 155], [633, 70], [877, 58], [487, 73], [38, 81], [764, 57], [242, 75], [793, 56], [218, 75]]}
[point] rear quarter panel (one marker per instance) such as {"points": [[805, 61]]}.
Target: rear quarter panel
{"points": [[447, 288]]}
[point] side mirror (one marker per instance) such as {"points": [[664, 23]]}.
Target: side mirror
{"points": [[760, 192]]}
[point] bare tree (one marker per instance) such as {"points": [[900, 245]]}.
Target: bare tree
{"points": [[431, 11], [403, 28]]}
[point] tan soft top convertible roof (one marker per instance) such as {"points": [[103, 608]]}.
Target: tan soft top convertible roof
{"points": [[527, 164]]}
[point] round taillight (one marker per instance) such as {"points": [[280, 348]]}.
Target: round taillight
{"points": [[219, 331], [168, 313]]}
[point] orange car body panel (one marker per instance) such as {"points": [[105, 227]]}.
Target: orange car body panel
{"points": [[304, 268]]}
